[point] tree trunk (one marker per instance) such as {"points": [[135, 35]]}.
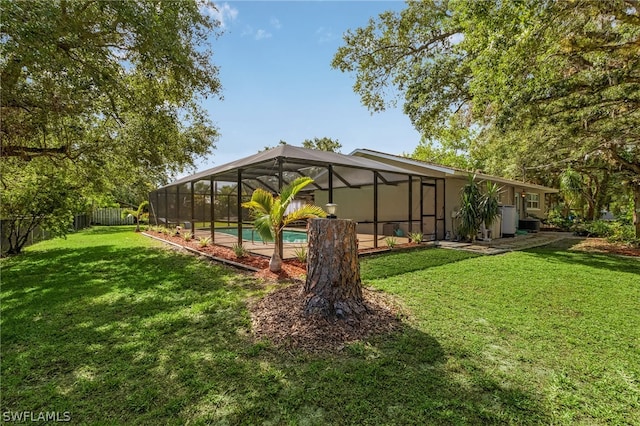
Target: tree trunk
{"points": [[636, 209], [275, 263], [333, 286]]}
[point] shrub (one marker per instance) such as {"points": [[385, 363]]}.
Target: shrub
{"points": [[623, 233], [416, 237], [556, 219], [204, 241], [187, 236], [301, 254], [391, 242], [239, 250]]}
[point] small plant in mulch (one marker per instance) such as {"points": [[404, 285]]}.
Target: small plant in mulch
{"points": [[239, 251], [187, 236], [391, 242], [204, 241], [416, 237], [301, 254]]}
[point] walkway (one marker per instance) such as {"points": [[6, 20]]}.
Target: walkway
{"points": [[503, 245]]}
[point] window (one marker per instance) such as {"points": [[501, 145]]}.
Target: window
{"points": [[533, 201]]}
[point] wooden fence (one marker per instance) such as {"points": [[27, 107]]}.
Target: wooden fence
{"points": [[80, 221], [110, 216]]}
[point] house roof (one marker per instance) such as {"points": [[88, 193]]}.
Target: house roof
{"points": [[436, 170], [264, 167]]}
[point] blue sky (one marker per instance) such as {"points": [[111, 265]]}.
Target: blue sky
{"points": [[278, 84]]}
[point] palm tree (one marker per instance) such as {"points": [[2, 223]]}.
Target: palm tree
{"points": [[470, 213], [478, 207], [137, 214], [490, 204], [270, 218]]}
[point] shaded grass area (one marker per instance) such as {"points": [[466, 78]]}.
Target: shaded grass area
{"points": [[113, 329]]}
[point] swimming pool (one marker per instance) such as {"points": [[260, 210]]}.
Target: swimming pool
{"points": [[249, 234]]}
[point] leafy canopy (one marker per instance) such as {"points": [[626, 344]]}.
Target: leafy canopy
{"points": [[103, 95]]}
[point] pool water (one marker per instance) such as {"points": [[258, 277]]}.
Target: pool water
{"points": [[250, 234]]}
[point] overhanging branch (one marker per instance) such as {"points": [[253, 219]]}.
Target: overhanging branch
{"points": [[30, 152]]}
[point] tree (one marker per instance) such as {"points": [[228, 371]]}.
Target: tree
{"points": [[108, 89], [41, 196], [267, 148], [323, 144], [333, 287], [477, 207], [451, 147], [137, 214], [271, 217], [545, 84]]}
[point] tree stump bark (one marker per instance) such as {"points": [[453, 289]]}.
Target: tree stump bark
{"points": [[333, 286]]}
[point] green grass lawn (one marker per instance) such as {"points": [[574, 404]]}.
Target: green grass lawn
{"points": [[107, 326]]}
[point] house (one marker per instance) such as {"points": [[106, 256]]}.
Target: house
{"points": [[441, 197], [386, 194]]}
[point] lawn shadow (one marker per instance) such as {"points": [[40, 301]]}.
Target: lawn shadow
{"points": [[391, 264], [399, 379], [562, 253], [112, 333]]}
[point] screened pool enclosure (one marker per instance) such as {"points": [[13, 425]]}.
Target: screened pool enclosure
{"points": [[373, 193]]}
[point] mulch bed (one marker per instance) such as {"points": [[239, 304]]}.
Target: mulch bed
{"points": [[279, 318], [292, 269], [601, 245]]}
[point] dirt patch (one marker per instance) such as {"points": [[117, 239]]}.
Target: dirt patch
{"points": [[601, 245], [279, 318]]}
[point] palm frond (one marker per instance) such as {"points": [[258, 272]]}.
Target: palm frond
{"points": [[261, 201], [277, 211], [308, 211], [289, 192], [264, 226]]}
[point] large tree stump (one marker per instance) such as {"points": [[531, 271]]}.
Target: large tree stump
{"points": [[333, 286]]}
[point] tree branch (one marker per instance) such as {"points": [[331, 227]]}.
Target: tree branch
{"points": [[28, 152]]}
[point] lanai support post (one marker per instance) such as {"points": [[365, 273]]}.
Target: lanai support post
{"points": [[330, 169], [212, 194], [410, 204], [178, 202], [166, 206], [280, 185], [422, 206], [375, 209], [239, 188], [193, 210]]}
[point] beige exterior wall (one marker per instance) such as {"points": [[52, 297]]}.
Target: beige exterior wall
{"points": [[393, 205]]}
